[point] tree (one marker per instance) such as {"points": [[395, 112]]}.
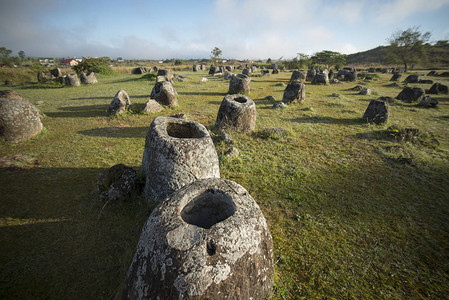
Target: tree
{"points": [[4, 53], [22, 54], [98, 65], [407, 47], [329, 58], [269, 61], [216, 52]]}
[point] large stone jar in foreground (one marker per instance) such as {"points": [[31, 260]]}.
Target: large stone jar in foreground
{"points": [[209, 240], [237, 111], [177, 152]]}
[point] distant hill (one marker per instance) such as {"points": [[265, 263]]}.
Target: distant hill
{"points": [[437, 57]]}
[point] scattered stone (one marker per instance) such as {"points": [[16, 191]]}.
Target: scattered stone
{"points": [[9, 94], [19, 120], [120, 103], [365, 91], [117, 183], [265, 72], [71, 80], [335, 81], [280, 84], [88, 78], [294, 92], [298, 75], [428, 102], [239, 84], [270, 98], [273, 133], [279, 105], [377, 112], [395, 77], [412, 79], [40, 102], [151, 106], [56, 72], [227, 138], [164, 93], [167, 73], [409, 94], [425, 81], [335, 95], [438, 88], [181, 78], [237, 111], [386, 99], [204, 79], [431, 73], [232, 152], [321, 78], [177, 152], [357, 88], [310, 74], [139, 70], [208, 240], [179, 116]]}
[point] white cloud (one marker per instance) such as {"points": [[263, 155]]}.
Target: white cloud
{"points": [[347, 49], [400, 9]]}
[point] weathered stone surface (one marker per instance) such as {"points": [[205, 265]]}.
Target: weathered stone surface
{"points": [[151, 106], [279, 105], [120, 103], [294, 92], [365, 91], [298, 75], [167, 73], [428, 102], [335, 81], [227, 75], [56, 72], [179, 116], [321, 78], [265, 72], [209, 240], [246, 71], [409, 94], [88, 78], [203, 67], [412, 79], [431, 73], [155, 69], [19, 120], [139, 70], [181, 78], [239, 84], [43, 77], [438, 88], [275, 71], [310, 74], [177, 152], [226, 137], [425, 81], [71, 80], [237, 111], [377, 112], [212, 70], [395, 77], [196, 68], [331, 75], [387, 99], [164, 93], [9, 94], [347, 74], [232, 152], [117, 183], [270, 98], [253, 69]]}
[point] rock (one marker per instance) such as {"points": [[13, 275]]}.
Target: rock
{"points": [[40, 102], [162, 78], [409, 94], [335, 81], [335, 95], [279, 105], [19, 120], [428, 102], [357, 88], [412, 79], [139, 70], [71, 80], [395, 77], [269, 98], [117, 183], [181, 78], [310, 74], [196, 68], [425, 81], [203, 67], [90, 78], [227, 138], [209, 240], [155, 69], [56, 72], [438, 88], [204, 79], [177, 152], [179, 116], [212, 70], [265, 72], [232, 152], [365, 91], [431, 73], [239, 84], [167, 73], [377, 112], [280, 84], [120, 103], [298, 75], [151, 106], [164, 93], [273, 132], [246, 72], [253, 69], [227, 75], [347, 74], [294, 92], [237, 111], [331, 75], [229, 68], [386, 99], [371, 70], [275, 71], [320, 78], [9, 94]]}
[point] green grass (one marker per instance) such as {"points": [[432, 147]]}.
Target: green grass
{"points": [[349, 218]]}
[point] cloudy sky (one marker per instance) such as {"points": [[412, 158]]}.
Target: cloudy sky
{"points": [[242, 29]]}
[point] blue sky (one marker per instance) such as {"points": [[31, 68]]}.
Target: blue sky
{"points": [[242, 29]]}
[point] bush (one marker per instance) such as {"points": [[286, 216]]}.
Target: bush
{"points": [[98, 65], [178, 62]]}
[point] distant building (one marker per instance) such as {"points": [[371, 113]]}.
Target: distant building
{"points": [[46, 61], [69, 62]]}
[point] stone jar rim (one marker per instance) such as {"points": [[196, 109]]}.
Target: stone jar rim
{"points": [[180, 129]]}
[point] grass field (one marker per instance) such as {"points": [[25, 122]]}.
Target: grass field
{"points": [[354, 213]]}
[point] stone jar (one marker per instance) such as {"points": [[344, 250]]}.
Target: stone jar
{"points": [[209, 240], [376, 112], [237, 111], [164, 93], [71, 80], [298, 75], [239, 84], [294, 92], [177, 152]]}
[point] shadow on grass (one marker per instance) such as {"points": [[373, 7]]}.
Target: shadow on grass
{"points": [[117, 132], [214, 102], [41, 86], [327, 120], [203, 93], [109, 98], [87, 111]]}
